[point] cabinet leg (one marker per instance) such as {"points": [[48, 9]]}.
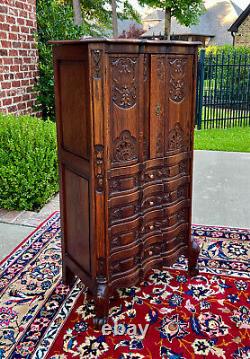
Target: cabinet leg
{"points": [[193, 254], [68, 276], [101, 304]]}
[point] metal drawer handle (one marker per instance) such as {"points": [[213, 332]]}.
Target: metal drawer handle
{"points": [[150, 253], [151, 203], [151, 227], [151, 175]]}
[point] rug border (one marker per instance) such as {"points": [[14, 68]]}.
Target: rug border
{"points": [[26, 238], [217, 226]]}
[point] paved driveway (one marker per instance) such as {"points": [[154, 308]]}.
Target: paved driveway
{"points": [[221, 189]]}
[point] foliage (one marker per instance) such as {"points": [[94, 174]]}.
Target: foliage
{"points": [[227, 50], [55, 21], [28, 162], [134, 32], [227, 68], [230, 139], [187, 12]]}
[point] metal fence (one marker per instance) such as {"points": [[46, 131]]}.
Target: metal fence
{"points": [[223, 90]]}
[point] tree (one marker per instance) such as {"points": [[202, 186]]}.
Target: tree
{"points": [[77, 12], [187, 12], [65, 20], [114, 18]]}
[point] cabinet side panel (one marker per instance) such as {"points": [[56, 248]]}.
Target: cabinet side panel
{"points": [[74, 107], [77, 238]]}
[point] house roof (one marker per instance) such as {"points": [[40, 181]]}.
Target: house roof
{"points": [[213, 23], [154, 15], [234, 27]]}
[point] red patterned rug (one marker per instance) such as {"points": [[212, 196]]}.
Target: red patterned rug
{"points": [[167, 316]]}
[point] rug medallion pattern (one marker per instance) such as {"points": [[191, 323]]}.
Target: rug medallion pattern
{"points": [[203, 317]]}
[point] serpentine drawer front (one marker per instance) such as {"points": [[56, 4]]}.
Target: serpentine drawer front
{"points": [[125, 118]]}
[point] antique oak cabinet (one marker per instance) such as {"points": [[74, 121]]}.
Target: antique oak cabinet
{"points": [[125, 118]]}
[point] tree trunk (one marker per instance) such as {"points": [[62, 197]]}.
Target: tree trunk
{"points": [[77, 12], [114, 19], [167, 28]]}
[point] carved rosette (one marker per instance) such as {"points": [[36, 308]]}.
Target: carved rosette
{"points": [[125, 148], [176, 139], [96, 64], [99, 168], [123, 81], [177, 79]]}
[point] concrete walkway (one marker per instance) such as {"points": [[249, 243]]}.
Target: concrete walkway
{"points": [[221, 196], [221, 189]]}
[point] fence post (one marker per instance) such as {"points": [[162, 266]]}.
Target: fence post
{"points": [[199, 99]]}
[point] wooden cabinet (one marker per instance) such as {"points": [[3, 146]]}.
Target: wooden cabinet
{"points": [[125, 118]]}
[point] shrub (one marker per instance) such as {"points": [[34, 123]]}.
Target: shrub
{"points": [[28, 162]]}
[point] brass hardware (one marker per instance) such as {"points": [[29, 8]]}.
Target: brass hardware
{"points": [[158, 109], [150, 253], [151, 227], [151, 175], [151, 203]]}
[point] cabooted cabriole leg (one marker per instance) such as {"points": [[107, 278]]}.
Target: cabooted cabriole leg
{"points": [[193, 254], [101, 303]]}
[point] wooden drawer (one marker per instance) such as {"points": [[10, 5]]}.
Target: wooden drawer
{"points": [[125, 260]]}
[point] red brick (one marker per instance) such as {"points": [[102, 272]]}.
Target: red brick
{"points": [[8, 60], [18, 55], [7, 101], [5, 27], [12, 36], [5, 44], [6, 85], [3, 35], [10, 19], [15, 28], [13, 52], [16, 83], [3, 52], [20, 21]]}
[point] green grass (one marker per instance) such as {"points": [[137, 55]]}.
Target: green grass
{"points": [[230, 140]]}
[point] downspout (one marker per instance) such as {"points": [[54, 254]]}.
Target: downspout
{"points": [[233, 34]]}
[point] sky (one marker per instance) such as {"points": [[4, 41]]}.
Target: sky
{"points": [[241, 3]]}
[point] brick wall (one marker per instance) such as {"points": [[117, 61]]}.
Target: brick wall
{"points": [[18, 56], [242, 37]]}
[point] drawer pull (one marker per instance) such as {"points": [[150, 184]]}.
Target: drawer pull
{"points": [[152, 175], [151, 203], [151, 227], [143, 229], [150, 253]]}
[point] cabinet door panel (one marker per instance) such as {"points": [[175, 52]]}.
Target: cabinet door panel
{"points": [[157, 106], [179, 105], [124, 109]]}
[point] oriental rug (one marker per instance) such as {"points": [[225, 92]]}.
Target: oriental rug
{"points": [[203, 317]]}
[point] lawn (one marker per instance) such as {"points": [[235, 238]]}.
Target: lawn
{"points": [[231, 139]]}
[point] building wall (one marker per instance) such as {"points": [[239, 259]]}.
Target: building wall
{"points": [[18, 56], [242, 37]]}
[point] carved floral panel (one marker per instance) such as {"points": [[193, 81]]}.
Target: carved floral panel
{"points": [[123, 81], [125, 148], [177, 68]]}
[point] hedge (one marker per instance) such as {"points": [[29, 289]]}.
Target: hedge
{"points": [[28, 162]]}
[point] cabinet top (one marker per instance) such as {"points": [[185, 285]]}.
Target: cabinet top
{"points": [[139, 42]]}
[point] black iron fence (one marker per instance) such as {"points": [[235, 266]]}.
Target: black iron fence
{"points": [[223, 90]]}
